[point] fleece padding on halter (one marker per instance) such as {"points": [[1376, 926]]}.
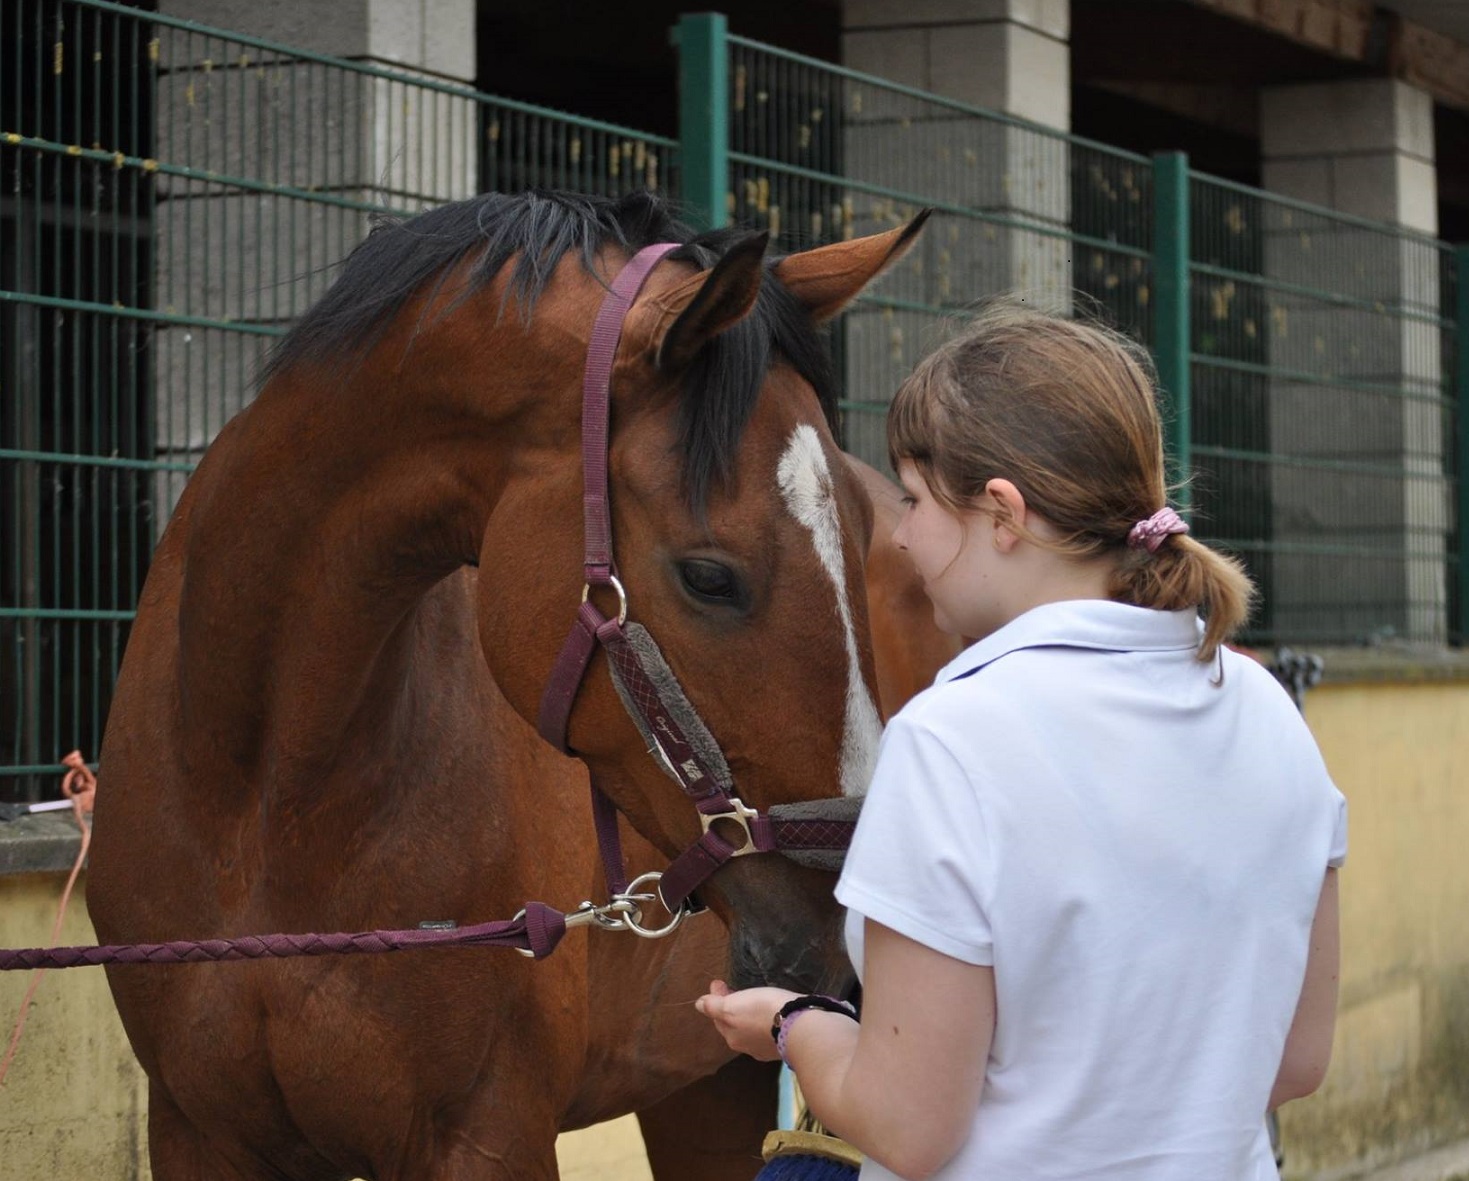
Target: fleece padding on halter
{"points": [[828, 849], [674, 700]]}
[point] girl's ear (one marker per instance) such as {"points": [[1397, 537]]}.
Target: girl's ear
{"points": [[1009, 508]]}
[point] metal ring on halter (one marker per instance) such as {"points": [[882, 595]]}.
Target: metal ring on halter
{"points": [[586, 589], [632, 921]]}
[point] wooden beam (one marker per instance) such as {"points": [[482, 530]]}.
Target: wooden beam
{"points": [[1339, 27], [1432, 61], [1355, 31]]}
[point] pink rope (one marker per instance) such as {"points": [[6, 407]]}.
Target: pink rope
{"points": [[80, 787]]}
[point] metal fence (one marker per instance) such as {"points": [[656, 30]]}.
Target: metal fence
{"points": [[172, 196], [1306, 358], [818, 153], [1325, 422]]}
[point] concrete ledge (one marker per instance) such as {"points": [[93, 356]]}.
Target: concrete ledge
{"points": [[39, 844], [1402, 664]]}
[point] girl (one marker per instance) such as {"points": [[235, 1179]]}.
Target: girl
{"points": [[1092, 898]]}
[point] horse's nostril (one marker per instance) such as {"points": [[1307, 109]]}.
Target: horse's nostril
{"points": [[806, 960]]}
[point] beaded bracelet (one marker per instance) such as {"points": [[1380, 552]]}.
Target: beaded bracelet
{"points": [[786, 1017]]}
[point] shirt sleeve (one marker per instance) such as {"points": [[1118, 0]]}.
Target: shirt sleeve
{"points": [[1338, 855], [919, 862]]}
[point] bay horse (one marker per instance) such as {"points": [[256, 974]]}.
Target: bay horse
{"points": [[325, 716]]}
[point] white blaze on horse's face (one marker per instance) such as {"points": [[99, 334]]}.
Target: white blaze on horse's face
{"points": [[806, 485]]}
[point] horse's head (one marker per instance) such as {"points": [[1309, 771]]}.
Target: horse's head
{"points": [[739, 534]]}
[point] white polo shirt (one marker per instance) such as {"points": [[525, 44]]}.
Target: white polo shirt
{"points": [[1138, 853]]}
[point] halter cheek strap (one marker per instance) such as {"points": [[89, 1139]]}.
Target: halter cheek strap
{"points": [[598, 567]]}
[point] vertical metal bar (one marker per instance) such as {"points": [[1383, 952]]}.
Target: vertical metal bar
{"points": [[1460, 626], [100, 509], [26, 381], [145, 203], [703, 115], [1171, 328]]}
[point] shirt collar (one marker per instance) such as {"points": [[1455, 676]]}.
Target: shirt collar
{"points": [[1082, 623]]}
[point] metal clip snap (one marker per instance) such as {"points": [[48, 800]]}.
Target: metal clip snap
{"points": [[608, 916]]}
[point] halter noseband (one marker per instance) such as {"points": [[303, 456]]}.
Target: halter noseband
{"points": [[677, 736]]}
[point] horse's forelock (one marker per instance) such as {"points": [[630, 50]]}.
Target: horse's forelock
{"points": [[723, 385]]}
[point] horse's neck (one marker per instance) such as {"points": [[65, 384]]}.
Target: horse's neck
{"points": [[310, 551]]}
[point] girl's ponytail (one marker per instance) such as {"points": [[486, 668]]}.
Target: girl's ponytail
{"points": [[1067, 412], [1185, 573]]}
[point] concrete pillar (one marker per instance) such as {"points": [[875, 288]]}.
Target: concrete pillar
{"points": [[1010, 57], [1369, 384], [349, 139]]}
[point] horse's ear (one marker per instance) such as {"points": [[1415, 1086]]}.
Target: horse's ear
{"points": [[828, 278], [711, 302]]}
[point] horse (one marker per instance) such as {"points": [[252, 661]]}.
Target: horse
{"points": [[326, 714]]}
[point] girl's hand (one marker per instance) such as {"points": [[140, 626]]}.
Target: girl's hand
{"points": [[743, 1018]]}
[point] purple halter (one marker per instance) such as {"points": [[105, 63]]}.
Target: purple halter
{"points": [[654, 698]]}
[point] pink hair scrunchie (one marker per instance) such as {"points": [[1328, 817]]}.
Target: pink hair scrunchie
{"points": [[1155, 530]]}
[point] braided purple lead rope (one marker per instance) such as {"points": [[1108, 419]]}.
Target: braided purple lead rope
{"points": [[537, 930]]}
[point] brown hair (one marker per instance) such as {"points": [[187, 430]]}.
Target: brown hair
{"points": [[1067, 412]]}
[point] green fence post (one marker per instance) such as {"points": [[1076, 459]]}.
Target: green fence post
{"points": [[1171, 336], [1460, 625], [703, 116]]}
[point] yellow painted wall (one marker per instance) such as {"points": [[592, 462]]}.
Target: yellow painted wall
{"points": [[74, 1103], [1399, 1078], [608, 1152]]}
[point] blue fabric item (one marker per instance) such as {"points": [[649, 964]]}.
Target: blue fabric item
{"points": [[805, 1167]]}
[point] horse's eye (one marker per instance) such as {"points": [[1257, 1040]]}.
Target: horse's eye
{"points": [[710, 581]]}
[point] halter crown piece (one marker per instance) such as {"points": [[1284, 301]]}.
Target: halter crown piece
{"points": [[1153, 531]]}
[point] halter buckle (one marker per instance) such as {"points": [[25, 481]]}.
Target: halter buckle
{"points": [[738, 814]]}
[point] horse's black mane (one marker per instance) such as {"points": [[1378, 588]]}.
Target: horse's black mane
{"points": [[538, 229]]}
